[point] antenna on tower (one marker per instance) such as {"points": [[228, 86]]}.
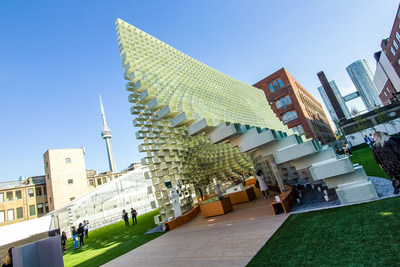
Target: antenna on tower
{"points": [[106, 135]]}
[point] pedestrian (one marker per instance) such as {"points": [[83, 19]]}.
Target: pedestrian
{"points": [[8, 262], [338, 151], [64, 241], [75, 237], [387, 154], [134, 214], [81, 233], [347, 150], [367, 140], [372, 139], [86, 228], [125, 217], [261, 182]]}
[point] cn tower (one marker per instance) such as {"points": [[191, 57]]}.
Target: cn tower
{"points": [[106, 134]]}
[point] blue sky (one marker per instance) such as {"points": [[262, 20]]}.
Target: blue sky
{"points": [[56, 57]]}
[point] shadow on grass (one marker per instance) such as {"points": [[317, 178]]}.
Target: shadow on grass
{"points": [[110, 242]]}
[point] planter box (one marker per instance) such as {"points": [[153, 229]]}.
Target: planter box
{"points": [[245, 195], [218, 207]]}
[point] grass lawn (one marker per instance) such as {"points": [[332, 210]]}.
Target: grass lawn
{"points": [[358, 235], [363, 156], [110, 242]]}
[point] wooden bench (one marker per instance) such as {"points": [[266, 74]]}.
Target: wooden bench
{"points": [[188, 216], [245, 195], [287, 200]]}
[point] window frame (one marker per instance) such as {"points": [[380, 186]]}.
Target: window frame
{"points": [[21, 211], [30, 210], [12, 196], [12, 215], [33, 192]]}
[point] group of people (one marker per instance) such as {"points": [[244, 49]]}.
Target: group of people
{"points": [[125, 217], [386, 151], [81, 232], [346, 150]]}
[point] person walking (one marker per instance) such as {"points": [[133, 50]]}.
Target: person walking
{"points": [[86, 228], [75, 237], [125, 217], [261, 182], [368, 141], [64, 241], [81, 233], [387, 154], [134, 214]]}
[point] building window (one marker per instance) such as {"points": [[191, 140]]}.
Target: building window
{"points": [[19, 213], [30, 192], [1, 197], [67, 160], [32, 210], [18, 194], [108, 179], [72, 198], [99, 181], [46, 205], [70, 181], [398, 36], [2, 214], [298, 129], [282, 102], [275, 85], [104, 180], [385, 94], [91, 182], [40, 208], [10, 215], [44, 190], [38, 191], [398, 61], [10, 196], [395, 44], [392, 50], [289, 116]]}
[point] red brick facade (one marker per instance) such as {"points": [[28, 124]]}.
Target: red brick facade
{"points": [[387, 94], [391, 45], [301, 112]]}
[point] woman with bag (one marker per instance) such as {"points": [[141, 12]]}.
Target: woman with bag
{"points": [[387, 154]]}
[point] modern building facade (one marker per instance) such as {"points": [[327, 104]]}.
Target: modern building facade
{"points": [[296, 107], [361, 75], [332, 98], [386, 78], [23, 200]]}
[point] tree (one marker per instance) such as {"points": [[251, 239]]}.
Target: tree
{"points": [[360, 121], [382, 117]]}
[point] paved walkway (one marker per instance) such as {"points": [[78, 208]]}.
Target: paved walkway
{"points": [[231, 240]]}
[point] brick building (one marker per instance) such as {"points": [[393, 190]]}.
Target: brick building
{"points": [[296, 107]]}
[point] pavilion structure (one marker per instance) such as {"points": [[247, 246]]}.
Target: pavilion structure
{"points": [[201, 127]]}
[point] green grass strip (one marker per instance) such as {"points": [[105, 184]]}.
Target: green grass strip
{"points": [[358, 235], [110, 242]]}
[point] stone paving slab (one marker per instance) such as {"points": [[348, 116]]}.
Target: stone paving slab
{"points": [[230, 240]]}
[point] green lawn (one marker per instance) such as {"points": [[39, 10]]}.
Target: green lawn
{"points": [[111, 241], [358, 235], [363, 156]]}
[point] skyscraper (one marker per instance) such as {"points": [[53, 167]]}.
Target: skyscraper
{"points": [[361, 75], [332, 98], [106, 134]]}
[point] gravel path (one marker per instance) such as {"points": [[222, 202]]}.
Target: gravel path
{"points": [[313, 199]]}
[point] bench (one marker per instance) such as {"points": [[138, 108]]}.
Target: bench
{"points": [[286, 202], [188, 216]]}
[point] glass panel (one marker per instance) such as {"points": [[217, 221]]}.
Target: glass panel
{"points": [[38, 191], [10, 215], [104, 180], [1, 197], [30, 192], [40, 208], [271, 88], [284, 118], [395, 44], [393, 52], [19, 213], [278, 104], [10, 196], [398, 36], [44, 190], [294, 114], [288, 99], [18, 194], [2, 214], [280, 83], [32, 210]]}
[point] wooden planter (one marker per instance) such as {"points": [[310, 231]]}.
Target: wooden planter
{"points": [[218, 207], [245, 195]]}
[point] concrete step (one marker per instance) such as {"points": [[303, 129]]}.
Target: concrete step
{"points": [[296, 151], [308, 161], [357, 175], [331, 168], [356, 192]]}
